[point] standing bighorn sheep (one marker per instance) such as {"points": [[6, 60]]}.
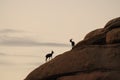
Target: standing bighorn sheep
{"points": [[72, 43], [49, 55]]}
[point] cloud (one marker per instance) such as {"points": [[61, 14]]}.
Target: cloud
{"points": [[18, 55], [13, 40], [8, 63], [4, 62], [9, 31], [22, 41], [2, 54]]}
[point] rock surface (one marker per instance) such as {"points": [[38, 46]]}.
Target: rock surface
{"points": [[114, 23], [113, 36], [93, 33], [94, 58]]}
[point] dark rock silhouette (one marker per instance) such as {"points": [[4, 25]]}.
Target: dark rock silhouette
{"points": [[112, 24], [113, 36], [93, 33], [72, 43], [94, 58], [48, 56]]}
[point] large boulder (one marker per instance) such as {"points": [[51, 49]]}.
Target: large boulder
{"points": [[94, 33], [113, 36], [112, 24], [93, 76], [93, 58], [98, 36], [90, 59]]}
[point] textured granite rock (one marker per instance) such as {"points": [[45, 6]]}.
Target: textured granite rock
{"points": [[113, 36]]}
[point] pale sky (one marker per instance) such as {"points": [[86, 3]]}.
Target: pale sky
{"points": [[54, 21], [45, 25]]}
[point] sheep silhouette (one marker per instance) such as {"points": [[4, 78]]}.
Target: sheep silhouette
{"points": [[48, 56], [72, 43]]}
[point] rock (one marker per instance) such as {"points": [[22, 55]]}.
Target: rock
{"points": [[93, 58], [93, 33], [113, 36], [96, 37], [114, 23], [90, 59], [93, 76]]}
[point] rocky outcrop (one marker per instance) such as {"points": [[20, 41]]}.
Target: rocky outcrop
{"points": [[94, 33], [112, 24], [94, 58], [113, 36]]}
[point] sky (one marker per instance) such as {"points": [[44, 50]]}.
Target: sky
{"points": [[53, 21], [31, 28]]}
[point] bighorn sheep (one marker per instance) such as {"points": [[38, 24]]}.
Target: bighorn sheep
{"points": [[49, 55], [72, 43]]}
